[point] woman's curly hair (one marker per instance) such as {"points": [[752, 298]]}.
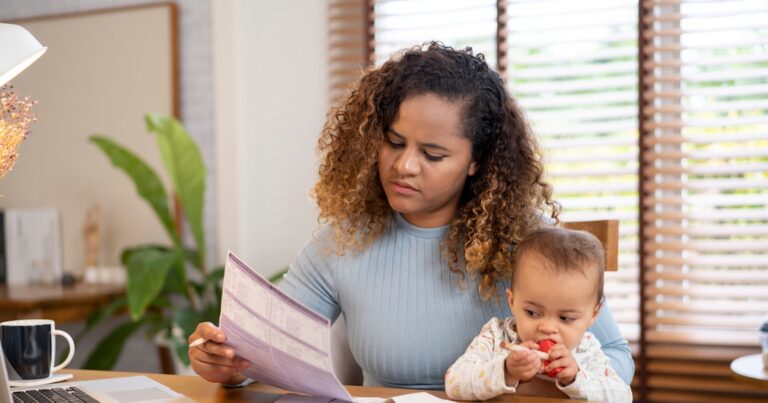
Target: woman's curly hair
{"points": [[499, 205]]}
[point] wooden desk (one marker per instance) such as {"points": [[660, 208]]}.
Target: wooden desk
{"points": [[199, 390], [750, 369], [56, 302]]}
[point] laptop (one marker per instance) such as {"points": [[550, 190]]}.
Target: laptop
{"points": [[137, 389]]}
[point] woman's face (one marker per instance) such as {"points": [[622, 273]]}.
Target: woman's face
{"points": [[425, 160]]}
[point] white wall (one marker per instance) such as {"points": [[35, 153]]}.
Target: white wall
{"points": [[270, 81], [195, 82]]}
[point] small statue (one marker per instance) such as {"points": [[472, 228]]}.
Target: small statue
{"points": [[92, 236]]}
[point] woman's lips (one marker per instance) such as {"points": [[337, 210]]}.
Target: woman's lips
{"points": [[403, 188]]}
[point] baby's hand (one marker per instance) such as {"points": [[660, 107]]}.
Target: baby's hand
{"points": [[522, 365], [561, 358]]}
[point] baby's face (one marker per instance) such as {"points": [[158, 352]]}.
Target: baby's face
{"points": [[551, 305]]}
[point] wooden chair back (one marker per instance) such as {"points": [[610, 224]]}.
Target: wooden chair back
{"points": [[607, 231]]}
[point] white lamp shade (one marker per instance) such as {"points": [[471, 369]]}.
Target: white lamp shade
{"points": [[18, 49]]}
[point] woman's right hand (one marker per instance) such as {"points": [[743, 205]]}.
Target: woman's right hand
{"points": [[214, 361]]}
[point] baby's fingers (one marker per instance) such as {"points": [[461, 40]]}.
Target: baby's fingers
{"points": [[558, 351], [560, 363], [523, 358], [534, 348], [530, 345]]}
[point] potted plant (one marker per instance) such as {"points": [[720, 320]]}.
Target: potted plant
{"points": [[169, 288]]}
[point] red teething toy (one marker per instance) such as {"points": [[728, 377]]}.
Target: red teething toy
{"points": [[544, 346]]}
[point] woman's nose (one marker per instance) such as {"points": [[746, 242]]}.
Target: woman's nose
{"points": [[407, 163]]}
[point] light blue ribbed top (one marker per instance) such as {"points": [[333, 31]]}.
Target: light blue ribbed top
{"points": [[407, 317]]}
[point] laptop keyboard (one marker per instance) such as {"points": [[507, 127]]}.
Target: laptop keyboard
{"points": [[69, 394]]}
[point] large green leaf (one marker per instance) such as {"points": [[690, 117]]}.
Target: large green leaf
{"points": [[147, 271], [106, 353], [126, 254], [147, 183], [177, 280], [184, 162], [187, 319]]}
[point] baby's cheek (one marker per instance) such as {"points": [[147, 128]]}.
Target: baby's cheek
{"points": [[571, 341]]}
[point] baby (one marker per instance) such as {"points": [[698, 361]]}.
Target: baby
{"points": [[555, 295]]}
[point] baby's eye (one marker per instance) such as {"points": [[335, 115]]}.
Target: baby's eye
{"points": [[532, 314], [567, 319]]}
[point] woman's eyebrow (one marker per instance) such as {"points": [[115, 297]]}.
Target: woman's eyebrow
{"points": [[426, 145], [391, 130]]}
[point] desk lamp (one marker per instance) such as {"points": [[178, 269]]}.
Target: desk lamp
{"points": [[18, 49]]}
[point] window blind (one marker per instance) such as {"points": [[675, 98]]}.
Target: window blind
{"points": [[402, 24], [349, 43], [573, 68], [705, 187]]}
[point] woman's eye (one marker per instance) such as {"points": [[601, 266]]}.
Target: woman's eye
{"points": [[434, 157], [394, 144]]}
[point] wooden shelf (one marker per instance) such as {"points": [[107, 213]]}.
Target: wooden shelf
{"points": [[56, 302]]}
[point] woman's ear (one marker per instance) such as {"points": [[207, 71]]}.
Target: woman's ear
{"points": [[472, 168]]}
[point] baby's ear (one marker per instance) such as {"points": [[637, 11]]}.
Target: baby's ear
{"points": [[595, 313], [510, 297]]}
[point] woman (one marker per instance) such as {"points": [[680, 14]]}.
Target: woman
{"points": [[430, 176]]}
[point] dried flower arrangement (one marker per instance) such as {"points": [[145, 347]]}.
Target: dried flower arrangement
{"points": [[15, 119]]}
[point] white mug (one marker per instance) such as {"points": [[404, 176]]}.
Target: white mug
{"points": [[29, 346]]}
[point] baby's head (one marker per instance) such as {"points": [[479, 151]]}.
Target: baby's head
{"points": [[557, 285]]}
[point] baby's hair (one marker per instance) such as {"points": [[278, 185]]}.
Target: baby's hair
{"points": [[565, 251]]}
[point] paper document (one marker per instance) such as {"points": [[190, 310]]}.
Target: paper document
{"points": [[287, 344], [418, 397]]}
